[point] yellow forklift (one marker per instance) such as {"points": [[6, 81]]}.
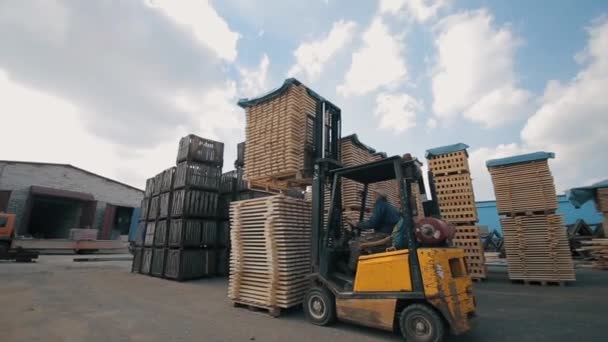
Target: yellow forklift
{"points": [[423, 291]]}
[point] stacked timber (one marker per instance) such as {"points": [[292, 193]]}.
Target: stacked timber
{"points": [[602, 205], [598, 251], [449, 166], [180, 229], [270, 258], [535, 239], [279, 136]]}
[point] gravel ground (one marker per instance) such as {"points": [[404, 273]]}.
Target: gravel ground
{"points": [[57, 299]]}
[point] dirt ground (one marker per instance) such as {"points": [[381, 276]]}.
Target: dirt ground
{"points": [[57, 299]]}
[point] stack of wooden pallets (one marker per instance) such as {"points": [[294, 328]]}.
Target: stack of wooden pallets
{"points": [[536, 241], [279, 136], [598, 250], [450, 168], [270, 252], [602, 206]]}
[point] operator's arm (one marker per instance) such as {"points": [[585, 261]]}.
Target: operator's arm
{"points": [[376, 219], [380, 242]]}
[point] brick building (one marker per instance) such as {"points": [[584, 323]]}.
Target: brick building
{"points": [[50, 199]]}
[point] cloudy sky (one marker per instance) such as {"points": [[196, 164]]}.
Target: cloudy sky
{"points": [[110, 86]]}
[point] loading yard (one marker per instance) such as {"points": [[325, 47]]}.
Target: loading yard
{"points": [[57, 299]]}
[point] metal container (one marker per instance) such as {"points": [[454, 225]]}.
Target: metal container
{"points": [[145, 208], [223, 206], [209, 262], [195, 148], [158, 262], [158, 181], [164, 205], [228, 182], [185, 264], [154, 208], [223, 266], [195, 175], [240, 155], [149, 187], [137, 258], [185, 233], [149, 237], [209, 233], [140, 235], [146, 261], [194, 203], [223, 235], [160, 233], [167, 179]]}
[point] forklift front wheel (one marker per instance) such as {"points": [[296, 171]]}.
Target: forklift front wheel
{"points": [[320, 306], [420, 323]]}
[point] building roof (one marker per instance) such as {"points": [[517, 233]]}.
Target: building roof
{"points": [[578, 196], [70, 166], [437, 151], [522, 158], [247, 102]]}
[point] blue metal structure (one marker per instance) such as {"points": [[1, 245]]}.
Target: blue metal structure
{"points": [[488, 215], [134, 223]]}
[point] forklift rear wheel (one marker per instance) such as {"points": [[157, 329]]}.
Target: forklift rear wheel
{"points": [[320, 306], [4, 246], [420, 323]]}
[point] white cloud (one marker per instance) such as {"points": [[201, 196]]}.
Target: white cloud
{"points": [[205, 23], [572, 120], [474, 73], [482, 183], [254, 82], [420, 10], [312, 56], [376, 64], [431, 124], [397, 112]]}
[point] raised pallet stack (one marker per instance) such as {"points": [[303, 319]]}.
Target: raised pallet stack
{"points": [[602, 205], [279, 136], [536, 241], [270, 252], [181, 233], [450, 168]]}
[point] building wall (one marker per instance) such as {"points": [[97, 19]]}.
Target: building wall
{"points": [[18, 177], [488, 215]]}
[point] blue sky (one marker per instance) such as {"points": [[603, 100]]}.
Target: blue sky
{"points": [[505, 77]]}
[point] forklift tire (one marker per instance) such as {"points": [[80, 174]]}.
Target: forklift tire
{"points": [[320, 306], [420, 323], [4, 247]]}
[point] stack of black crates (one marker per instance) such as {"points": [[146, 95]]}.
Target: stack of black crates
{"points": [[181, 235]]}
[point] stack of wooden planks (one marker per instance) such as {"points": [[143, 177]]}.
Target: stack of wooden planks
{"points": [[536, 241], [598, 250], [602, 206], [270, 252], [450, 168], [279, 134]]}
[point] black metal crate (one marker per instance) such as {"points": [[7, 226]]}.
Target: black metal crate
{"points": [[194, 204], [149, 187], [209, 233], [167, 179], [160, 233], [146, 261], [223, 235], [158, 262], [137, 258], [195, 148], [194, 175], [223, 264], [223, 206], [158, 181], [149, 237], [154, 208], [228, 182], [240, 155], [188, 264], [145, 208], [140, 234], [164, 205]]}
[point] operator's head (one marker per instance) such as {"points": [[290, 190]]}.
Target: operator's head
{"points": [[379, 193]]}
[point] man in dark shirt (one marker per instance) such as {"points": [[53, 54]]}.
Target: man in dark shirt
{"points": [[384, 217]]}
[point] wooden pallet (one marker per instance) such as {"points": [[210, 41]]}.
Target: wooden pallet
{"points": [[449, 163], [537, 248], [602, 200], [598, 250], [467, 238], [540, 282], [270, 251], [277, 132]]}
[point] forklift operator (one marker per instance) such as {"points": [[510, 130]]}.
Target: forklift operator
{"points": [[384, 217]]}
